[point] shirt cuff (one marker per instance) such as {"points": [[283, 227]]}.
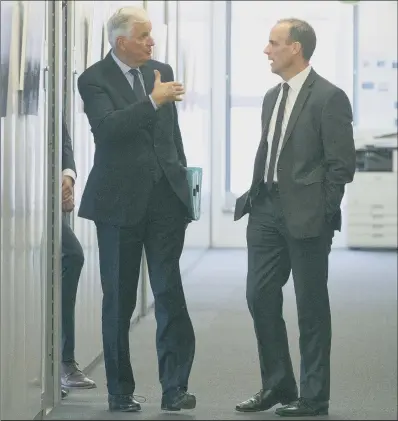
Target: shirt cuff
{"points": [[153, 102], [70, 173]]}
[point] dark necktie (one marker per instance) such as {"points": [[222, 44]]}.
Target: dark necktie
{"points": [[137, 86], [277, 136]]}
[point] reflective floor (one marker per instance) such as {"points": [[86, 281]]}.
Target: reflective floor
{"points": [[363, 291]]}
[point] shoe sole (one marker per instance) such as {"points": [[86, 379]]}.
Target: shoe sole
{"points": [[125, 410], [94, 386], [314, 414], [253, 410], [178, 408], [260, 409]]}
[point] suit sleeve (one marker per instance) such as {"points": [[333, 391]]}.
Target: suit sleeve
{"points": [[339, 149], [68, 161], [107, 123], [177, 132]]}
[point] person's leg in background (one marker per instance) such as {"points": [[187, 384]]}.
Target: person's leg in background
{"points": [[72, 264]]}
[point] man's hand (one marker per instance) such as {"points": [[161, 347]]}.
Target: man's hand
{"points": [[67, 194], [166, 92]]}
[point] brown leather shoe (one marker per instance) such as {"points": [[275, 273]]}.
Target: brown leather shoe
{"points": [[73, 378], [263, 400]]}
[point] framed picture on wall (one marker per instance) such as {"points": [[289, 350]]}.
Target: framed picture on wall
{"points": [[5, 49], [33, 24]]}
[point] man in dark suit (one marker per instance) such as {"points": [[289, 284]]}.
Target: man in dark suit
{"points": [[72, 263], [305, 157], [137, 194]]}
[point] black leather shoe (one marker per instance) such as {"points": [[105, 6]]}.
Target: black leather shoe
{"points": [[181, 400], [64, 393], [303, 408], [263, 400], [123, 403]]}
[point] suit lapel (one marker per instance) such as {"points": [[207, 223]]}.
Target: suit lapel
{"points": [[298, 105], [149, 77], [119, 80], [259, 163], [269, 106]]}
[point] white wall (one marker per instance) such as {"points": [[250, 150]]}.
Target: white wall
{"points": [[194, 66]]}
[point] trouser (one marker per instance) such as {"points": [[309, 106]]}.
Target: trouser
{"points": [[72, 264], [272, 255], [162, 233]]}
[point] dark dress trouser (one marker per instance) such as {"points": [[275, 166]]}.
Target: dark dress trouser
{"points": [[272, 255], [162, 233], [72, 264]]}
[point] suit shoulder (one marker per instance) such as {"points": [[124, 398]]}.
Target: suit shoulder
{"points": [[158, 65], [329, 89], [164, 68], [270, 92], [91, 72]]}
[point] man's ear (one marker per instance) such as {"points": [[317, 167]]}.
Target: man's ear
{"points": [[296, 48]]}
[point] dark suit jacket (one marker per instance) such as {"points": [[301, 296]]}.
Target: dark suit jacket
{"points": [[317, 158], [68, 162], [131, 140]]}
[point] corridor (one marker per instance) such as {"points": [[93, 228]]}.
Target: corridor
{"points": [[363, 291]]}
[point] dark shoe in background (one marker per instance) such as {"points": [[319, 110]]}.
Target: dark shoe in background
{"points": [[179, 400], [303, 408], [265, 399], [123, 403]]}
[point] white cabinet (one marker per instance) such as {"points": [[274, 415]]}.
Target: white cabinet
{"points": [[372, 210]]}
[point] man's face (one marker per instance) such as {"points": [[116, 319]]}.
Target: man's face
{"points": [[138, 47], [280, 50]]}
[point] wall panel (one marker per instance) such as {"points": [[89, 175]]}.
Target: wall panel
{"points": [[23, 208]]}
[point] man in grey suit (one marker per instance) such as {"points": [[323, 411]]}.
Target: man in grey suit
{"points": [[305, 157]]}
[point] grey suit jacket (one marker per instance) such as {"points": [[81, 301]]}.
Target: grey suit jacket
{"points": [[317, 158]]}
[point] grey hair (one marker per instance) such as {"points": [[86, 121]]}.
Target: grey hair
{"points": [[122, 21]]}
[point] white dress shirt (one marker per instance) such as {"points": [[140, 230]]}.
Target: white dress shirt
{"points": [[70, 173], [295, 85], [130, 78]]}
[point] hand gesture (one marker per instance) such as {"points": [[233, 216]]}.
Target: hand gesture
{"points": [[166, 92]]}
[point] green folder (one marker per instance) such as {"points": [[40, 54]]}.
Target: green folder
{"points": [[194, 177]]}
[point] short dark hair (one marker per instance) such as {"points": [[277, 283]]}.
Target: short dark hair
{"points": [[302, 32]]}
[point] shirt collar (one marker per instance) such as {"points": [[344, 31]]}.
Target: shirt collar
{"points": [[123, 66], [296, 82]]}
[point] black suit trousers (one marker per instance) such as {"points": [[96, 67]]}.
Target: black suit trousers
{"points": [[72, 264], [161, 232], [272, 255]]}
